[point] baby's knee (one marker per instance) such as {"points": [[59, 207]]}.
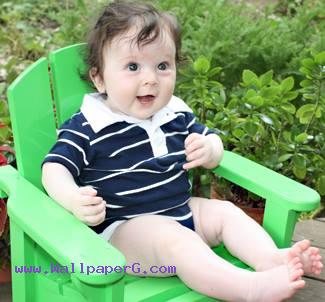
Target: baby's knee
{"points": [[173, 241], [228, 208]]}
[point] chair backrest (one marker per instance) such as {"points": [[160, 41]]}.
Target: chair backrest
{"points": [[35, 112]]}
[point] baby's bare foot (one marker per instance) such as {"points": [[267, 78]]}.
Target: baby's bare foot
{"points": [[309, 256], [278, 283]]}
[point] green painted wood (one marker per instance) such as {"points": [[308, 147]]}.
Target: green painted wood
{"points": [[154, 289], [32, 119], [66, 66], [266, 183], [58, 232]]}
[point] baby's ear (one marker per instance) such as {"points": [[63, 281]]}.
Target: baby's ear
{"points": [[97, 80]]}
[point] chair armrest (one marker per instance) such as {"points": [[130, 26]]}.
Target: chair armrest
{"points": [[266, 183], [57, 231]]}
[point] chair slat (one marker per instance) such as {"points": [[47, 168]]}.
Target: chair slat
{"points": [[68, 88], [32, 118]]}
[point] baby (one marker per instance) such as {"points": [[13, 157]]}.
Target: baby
{"points": [[120, 166]]}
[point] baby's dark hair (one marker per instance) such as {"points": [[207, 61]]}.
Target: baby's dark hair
{"points": [[117, 18]]}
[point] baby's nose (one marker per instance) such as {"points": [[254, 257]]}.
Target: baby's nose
{"points": [[150, 78]]}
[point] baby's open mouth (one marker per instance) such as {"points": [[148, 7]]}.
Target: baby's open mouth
{"points": [[146, 99]]}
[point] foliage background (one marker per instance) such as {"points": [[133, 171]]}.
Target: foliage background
{"points": [[246, 61]]}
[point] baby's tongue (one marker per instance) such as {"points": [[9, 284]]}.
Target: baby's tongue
{"points": [[145, 98]]}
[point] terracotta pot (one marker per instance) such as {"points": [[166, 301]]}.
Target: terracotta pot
{"points": [[5, 274], [256, 213]]}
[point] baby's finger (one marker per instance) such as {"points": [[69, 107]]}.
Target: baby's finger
{"points": [[91, 201], [88, 190], [197, 144], [96, 219], [192, 137], [192, 164], [195, 155], [95, 209]]}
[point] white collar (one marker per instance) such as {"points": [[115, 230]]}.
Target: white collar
{"points": [[100, 116]]}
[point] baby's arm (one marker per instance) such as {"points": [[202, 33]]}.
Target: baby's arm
{"points": [[201, 150], [82, 202]]}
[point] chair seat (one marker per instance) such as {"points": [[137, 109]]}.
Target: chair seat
{"points": [[150, 289], [141, 289]]}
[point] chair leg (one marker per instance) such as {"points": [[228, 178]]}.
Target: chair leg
{"points": [[105, 293], [23, 284], [282, 230]]}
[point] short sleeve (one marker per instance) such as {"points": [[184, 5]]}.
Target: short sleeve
{"points": [[72, 149], [195, 127]]}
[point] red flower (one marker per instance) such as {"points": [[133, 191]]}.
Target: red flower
{"points": [[3, 205], [3, 215], [3, 160]]}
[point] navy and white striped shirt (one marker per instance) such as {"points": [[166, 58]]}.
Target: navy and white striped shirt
{"points": [[135, 165]]}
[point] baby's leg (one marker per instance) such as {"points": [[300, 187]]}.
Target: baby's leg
{"points": [[157, 240], [217, 221], [220, 221]]}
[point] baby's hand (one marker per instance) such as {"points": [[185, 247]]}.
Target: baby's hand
{"points": [[198, 150], [88, 207]]}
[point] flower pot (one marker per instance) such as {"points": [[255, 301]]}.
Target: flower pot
{"points": [[256, 213]]}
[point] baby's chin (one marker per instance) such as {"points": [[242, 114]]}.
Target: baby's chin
{"points": [[146, 112], [143, 116]]}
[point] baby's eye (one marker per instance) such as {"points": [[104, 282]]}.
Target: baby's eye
{"points": [[163, 66], [133, 67]]}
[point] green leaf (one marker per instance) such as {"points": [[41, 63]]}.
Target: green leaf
{"points": [[291, 95], [3, 109], [249, 77], [320, 185], [299, 172], [301, 138], [305, 112], [308, 63], [266, 119], [233, 104], [284, 157], [2, 87], [250, 93], [318, 112], [305, 71], [239, 133], [289, 108], [309, 96], [201, 65], [4, 134], [320, 58], [306, 83], [299, 161], [81, 4], [287, 84], [257, 101], [299, 166], [287, 136], [251, 128], [270, 92], [214, 71], [266, 78], [222, 96], [186, 86]]}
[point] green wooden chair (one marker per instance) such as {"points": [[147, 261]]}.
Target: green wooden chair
{"points": [[44, 235]]}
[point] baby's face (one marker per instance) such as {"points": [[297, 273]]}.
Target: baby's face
{"points": [[139, 81]]}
